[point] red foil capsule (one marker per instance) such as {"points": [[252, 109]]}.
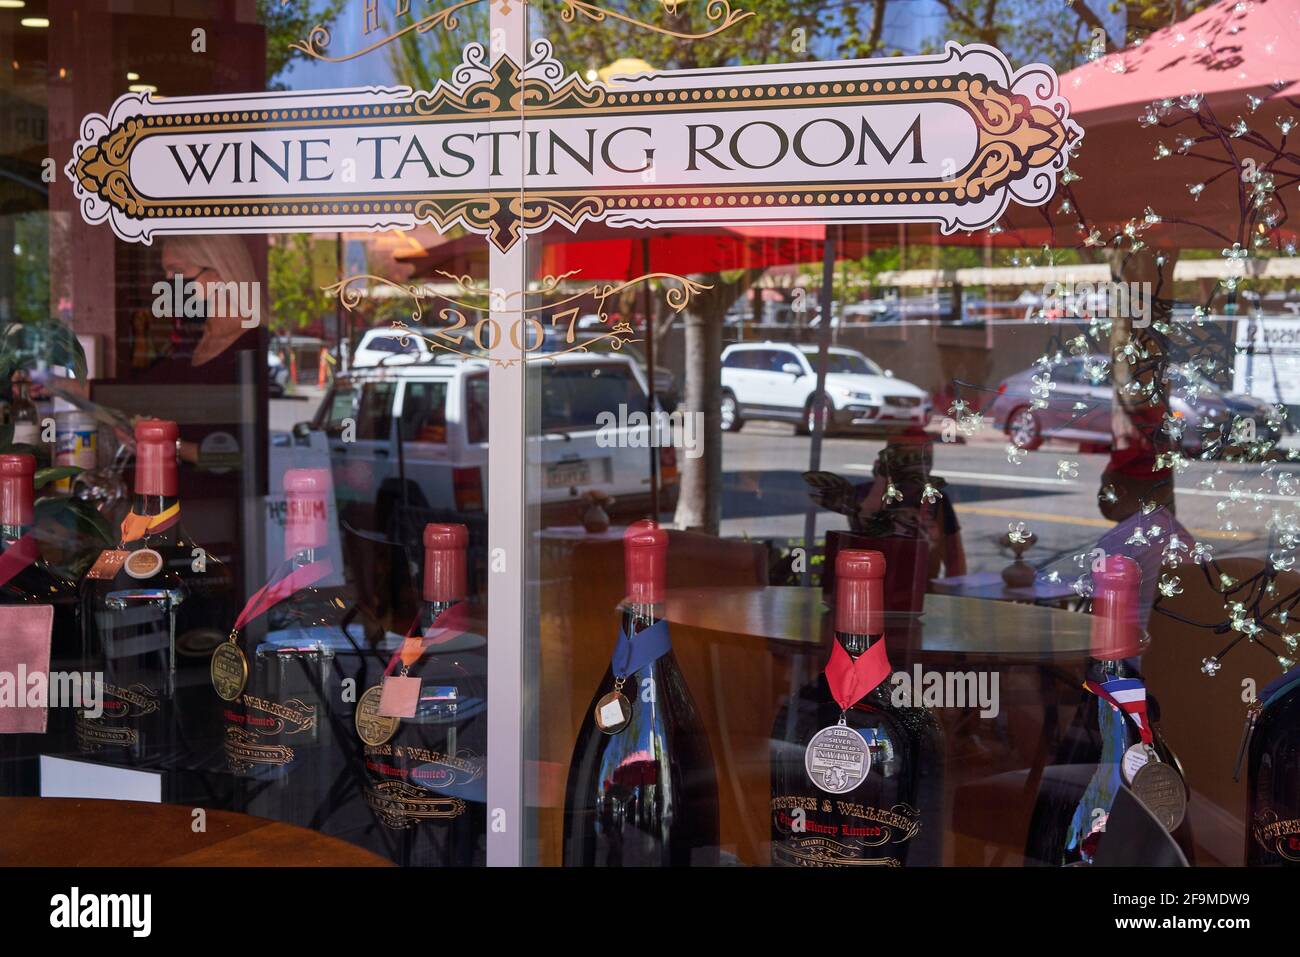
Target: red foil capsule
{"points": [[306, 519], [645, 562], [155, 457], [444, 562], [1116, 592], [16, 494], [859, 592]]}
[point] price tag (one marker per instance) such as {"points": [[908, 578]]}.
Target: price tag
{"points": [[400, 696], [108, 564]]}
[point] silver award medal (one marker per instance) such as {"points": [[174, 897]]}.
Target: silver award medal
{"points": [[837, 759]]}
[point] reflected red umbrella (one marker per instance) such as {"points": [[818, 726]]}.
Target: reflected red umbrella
{"points": [[1224, 54], [598, 251]]}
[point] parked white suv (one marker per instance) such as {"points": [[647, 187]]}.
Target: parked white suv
{"points": [[777, 380], [383, 346], [418, 433]]}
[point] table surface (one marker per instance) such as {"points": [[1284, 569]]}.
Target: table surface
{"points": [[947, 624], [78, 832], [990, 585]]}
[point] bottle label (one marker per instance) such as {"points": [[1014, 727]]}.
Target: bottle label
{"points": [[815, 831], [400, 805], [408, 784], [244, 751], [1276, 836]]}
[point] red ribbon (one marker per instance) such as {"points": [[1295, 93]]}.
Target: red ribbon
{"points": [[452, 623], [851, 680], [278, 589], [18, 556]]}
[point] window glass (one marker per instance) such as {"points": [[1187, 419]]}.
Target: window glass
{"points": [[424, 412]]}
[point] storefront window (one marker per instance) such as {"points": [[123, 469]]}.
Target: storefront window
{"points": [[891, 418]]}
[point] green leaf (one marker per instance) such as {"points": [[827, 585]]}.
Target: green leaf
{"points": [[45, 476], [83, 516]]}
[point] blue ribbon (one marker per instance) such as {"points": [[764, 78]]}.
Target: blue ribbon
{"points": [[644, 648]]}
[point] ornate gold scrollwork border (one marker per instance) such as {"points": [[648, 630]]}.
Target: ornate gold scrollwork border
{"points": [[1014, 134], [678, 293], [719, 13]]}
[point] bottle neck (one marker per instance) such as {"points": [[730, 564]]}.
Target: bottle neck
{"points": [[1103, 669], [150, 505], [431, 611], [9, 535], [856, 644], [638, 616]]}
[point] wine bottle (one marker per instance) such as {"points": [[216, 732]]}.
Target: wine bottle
{"points": [[1112, 741], [424, 728], [135, 602], [283, 713], [642, 789], [856, 780], [27, 579], [1273, 774]]}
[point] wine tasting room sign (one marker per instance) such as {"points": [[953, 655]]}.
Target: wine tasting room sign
{"points": [[505, 150]]}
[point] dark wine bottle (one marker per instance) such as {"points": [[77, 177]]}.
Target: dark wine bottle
{"points": [[856, 780], [425, 782], [1273, 775], [284, 735], [642, 789], [142, 606], [1111, 741], [27, 579]]}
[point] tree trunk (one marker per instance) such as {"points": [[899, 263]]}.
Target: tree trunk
{"points": [[1137, 421], [699, 504]]}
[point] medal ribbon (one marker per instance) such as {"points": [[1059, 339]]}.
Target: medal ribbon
{"points": [[284, 582], [644, 648], [17, 557], [138, 526], [851, 680], [1128, 695], [452, 623]]}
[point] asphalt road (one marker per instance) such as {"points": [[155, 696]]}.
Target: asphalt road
{"points": [[764, 495]]}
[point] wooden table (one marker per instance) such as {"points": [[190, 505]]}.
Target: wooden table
{"points": [[77, 832], [989, 585]]}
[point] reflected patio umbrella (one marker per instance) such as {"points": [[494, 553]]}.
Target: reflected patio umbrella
{"points": [[598, 251], [1224, 54]]}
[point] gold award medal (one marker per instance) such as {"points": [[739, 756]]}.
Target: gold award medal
{"points": [[837, 759], [373, 727], [1161, 789], [229, 670], [613, 712], [144, 563]]}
